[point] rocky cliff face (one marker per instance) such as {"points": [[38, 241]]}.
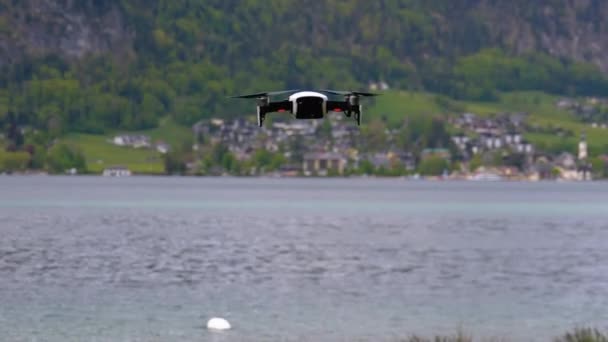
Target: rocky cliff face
{"points": [[574, 29], [70, 28]]}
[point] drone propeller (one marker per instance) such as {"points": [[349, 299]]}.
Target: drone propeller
{"points": [[348, 93], [352, 99], [265, 94]]}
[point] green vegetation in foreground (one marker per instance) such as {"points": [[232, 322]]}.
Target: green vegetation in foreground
{"points": [[578, 335], [583, 335]]}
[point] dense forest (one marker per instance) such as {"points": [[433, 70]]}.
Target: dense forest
{"points": [[94, 65]]}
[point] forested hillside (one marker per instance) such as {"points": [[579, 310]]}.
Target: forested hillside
{"points": [[94, 65]]}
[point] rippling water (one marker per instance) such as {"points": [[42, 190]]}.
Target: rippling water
{"points": [[151, 259]]}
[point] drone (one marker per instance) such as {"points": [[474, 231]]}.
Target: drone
{"points": [[308, 104]]}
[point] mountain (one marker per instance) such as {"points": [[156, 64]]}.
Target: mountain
{"points": [[92, 65], [69, 29], [572, 29]]}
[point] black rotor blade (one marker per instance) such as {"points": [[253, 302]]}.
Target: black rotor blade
{"points": [[265, 94], [358, 93], [249, 96], [272, 93], [336, 92], [347, 92]]}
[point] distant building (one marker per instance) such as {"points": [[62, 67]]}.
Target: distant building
{"points": [[542, 168], [585, 173], [566, 161], [322, 163], [136, 141], [461, 141], [407, 159], [436, 152], [566, 104], [117, 171], [582, 148], [163, 148], [289, 170], [584, 168], [569, 174], [382, 85], [513, 138], [509, 172], [486, 174], [380, 160], [524, 147]]}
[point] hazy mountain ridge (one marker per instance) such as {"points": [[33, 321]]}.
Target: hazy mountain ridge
{"points": [[573, 29], [562, 28], [68, 28]]}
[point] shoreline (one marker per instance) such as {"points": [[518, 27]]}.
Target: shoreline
{"points": [[403, 178]]}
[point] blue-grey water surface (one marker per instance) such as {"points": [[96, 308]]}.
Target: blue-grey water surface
{"points": [[151, 258]]}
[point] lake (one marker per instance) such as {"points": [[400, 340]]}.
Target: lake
{"points": [[152, 258]]}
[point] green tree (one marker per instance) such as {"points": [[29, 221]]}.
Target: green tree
{"points": [[600, 167], [438, 136], [13, 161], [433, 166], [374, 136], [174, 163], [62, 157], [266, 161], [475, 162], [366, 167]]}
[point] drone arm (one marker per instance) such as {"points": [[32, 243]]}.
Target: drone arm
{"points": [[337, 106], [270, 107], [280, 106], [347, 107]]}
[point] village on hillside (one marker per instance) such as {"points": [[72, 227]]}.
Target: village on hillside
{"points": [[460, 147]]}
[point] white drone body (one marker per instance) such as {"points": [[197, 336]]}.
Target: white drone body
{"points": [[308, 104]]}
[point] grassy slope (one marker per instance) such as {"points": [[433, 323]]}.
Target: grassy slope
{"points": [[169, 132], [398, 105], [395, 106], [100, 153]]}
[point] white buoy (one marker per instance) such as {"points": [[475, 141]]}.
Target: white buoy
{"points": [[217, 323]]}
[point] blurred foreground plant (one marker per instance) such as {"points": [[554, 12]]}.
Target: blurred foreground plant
{"points": [[578, 335], [583, 335], [460, 337]]}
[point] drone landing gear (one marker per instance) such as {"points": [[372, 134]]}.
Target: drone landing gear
{"points": [[358, 113], [261, 116]]}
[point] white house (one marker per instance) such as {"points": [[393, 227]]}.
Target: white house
{"points": [[164, 147], [321, 163], [117, 171], [136, 141]]}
